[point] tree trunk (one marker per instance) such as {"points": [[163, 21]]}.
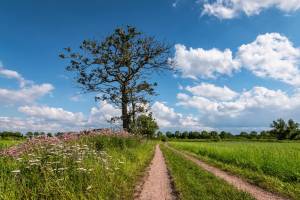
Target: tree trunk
{"points": [[125, 116]]}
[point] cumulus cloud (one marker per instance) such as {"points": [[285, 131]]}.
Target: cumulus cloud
{"points": [[53, 114], [272, 55], [102, 114], [29, 124], [26, 95], [211, 91], [166, 117], [45, 118], [228, 9], [255, 107], [28, 92], [10, 74], [202, 63]]}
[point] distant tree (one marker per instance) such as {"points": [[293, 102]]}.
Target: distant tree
{"points": [[49, 134], [214, 135], [159, 134], [59, 134], [184, 135], [118, 69], [36, 134], [29, 134], [244, 134], [253, 135], [225, 135], [6, 134], [169, 134], [146, 125], [205, 134], [279, 129], [177, 134], [292, 129]]}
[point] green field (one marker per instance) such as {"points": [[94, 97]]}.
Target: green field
{"points": [[103, 167], [88, 168], [192, 182], [274, 166], [8, 143]]}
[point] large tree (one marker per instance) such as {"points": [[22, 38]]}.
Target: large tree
{"points": [[119, 68]]}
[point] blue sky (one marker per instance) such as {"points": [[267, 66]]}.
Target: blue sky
{"points": [[229, 90]]}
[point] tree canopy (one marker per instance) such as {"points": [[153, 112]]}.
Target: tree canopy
{"points": [[119, 68]]}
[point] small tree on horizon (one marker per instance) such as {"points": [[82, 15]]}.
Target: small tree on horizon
{"points": [[146, 125], [119, 68], [279, 129]]}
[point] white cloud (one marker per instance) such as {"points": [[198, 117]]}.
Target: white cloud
{"points": [[10, 74], [53, 114], [102, 114], [272, 55], [219, 10], [228, 9], [45, 118], [211, 91], [257, 97], [76, 98], [26, 95], [255, 107], [194, 63], [28, 92], [29, 124], [166, 117]]}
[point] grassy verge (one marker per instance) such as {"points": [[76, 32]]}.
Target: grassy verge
{"points": [[4, 143], [270, 166], [192, 182], [89, 168]]}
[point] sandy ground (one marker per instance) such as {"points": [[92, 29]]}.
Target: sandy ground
{"points": [[256, 192], [157, 185]]}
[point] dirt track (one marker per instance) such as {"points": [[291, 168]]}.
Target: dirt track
{"points": [[256, 192], [157, 185]]}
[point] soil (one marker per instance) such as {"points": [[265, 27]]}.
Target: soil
{"points": [[157, 184]]}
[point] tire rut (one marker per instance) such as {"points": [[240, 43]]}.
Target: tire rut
{"points": [[255, 191]]}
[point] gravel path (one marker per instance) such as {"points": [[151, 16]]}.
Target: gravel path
{"points": [[257, 192], [157, 185]]}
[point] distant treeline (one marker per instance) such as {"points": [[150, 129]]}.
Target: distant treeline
{"points": [[214, 135], [11, 134], [281, 130], [6, 134]]}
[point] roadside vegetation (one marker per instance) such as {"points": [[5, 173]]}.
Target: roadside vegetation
{"points": [[274, 166], [74, 167], [192, 182]]}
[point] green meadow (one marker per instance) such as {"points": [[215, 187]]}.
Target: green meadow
{"points": [[274, 166]]}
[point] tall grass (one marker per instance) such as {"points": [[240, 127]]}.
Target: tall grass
{"points": [[254, 160], [98, 167]]}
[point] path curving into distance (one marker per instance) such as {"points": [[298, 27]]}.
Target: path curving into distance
{"points": [[157, 185], [257, 192]]}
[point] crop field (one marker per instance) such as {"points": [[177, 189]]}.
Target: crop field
{"points": [[274, 166], [89, 167], [8, 143]]}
